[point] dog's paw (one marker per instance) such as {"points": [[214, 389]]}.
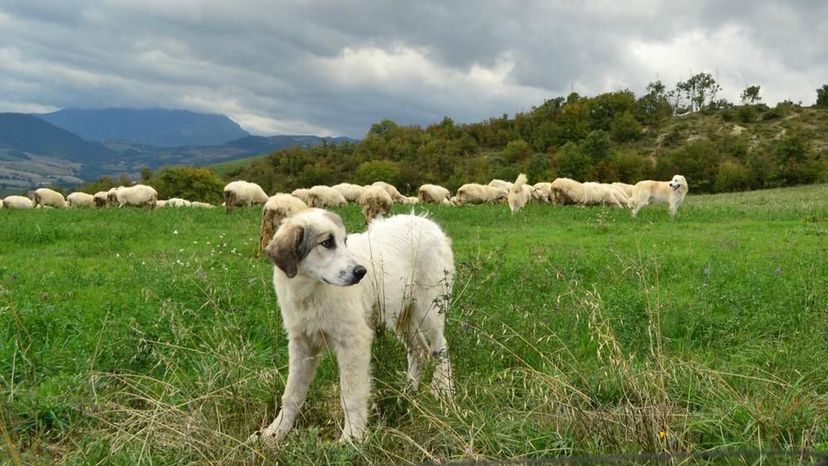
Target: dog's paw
{"points": [[268, 437]]}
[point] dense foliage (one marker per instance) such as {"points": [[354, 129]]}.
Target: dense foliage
{"points": [[610, 137]]}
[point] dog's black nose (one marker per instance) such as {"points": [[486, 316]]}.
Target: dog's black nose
{"points": [[359, 272]]}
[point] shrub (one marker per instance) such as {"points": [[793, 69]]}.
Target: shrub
{"points": [[733, 176], [191, 183]]}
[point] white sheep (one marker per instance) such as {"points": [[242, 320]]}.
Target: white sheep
{"points": [[602, 194], [473, 193], [160, 203], [390, 189], [627, 188], [566, 191], [500, 184], [277, 208], [542, 192], [79, 199], [1, 203], [17, 202], [519, 194], [410, 200], [303, 194], [349, 191], [375, 202], [201, 205], [324, 197], [101, 198], [178, 202], [45, 197], [138, 195], [434, 193], [243, 193]]}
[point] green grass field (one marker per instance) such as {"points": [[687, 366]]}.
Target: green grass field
{"points": [[138, 337]]}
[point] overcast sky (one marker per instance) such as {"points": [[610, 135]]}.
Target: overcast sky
{"points": [[332, 68]]}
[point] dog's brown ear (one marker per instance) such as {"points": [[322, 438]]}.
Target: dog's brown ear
{"points": [[286, 249]]}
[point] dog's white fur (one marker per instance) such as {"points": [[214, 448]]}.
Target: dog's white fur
{"points": [[660, 192], [408, 269], [519, 194]]}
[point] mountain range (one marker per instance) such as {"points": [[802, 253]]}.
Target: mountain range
{"points": [[73, 145]]}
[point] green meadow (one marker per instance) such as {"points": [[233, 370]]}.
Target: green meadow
{"points": [[130, 336]]}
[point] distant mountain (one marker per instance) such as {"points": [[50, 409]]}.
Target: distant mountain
{"points": [[25, 134], [156, 127]]}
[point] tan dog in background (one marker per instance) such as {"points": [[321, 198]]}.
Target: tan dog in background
{"points": [[659, 192]]}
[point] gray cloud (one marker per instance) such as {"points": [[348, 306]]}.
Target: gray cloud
{"points": [[336, 67]]}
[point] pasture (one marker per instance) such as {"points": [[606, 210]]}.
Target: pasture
{"points": [[136, 337]]}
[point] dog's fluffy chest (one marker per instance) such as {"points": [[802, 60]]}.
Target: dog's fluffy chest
{"points": [[320, 317]]}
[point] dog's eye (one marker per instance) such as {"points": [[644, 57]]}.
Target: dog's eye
{"points": [[328, 243]]}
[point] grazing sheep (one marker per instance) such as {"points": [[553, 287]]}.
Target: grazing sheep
{"points": [[101, 198], [500, 184], [627, 188], [277, 208], [542, 192], [566, 191], [473, 193], [243, 193], [201, 205], [138, 195], [349, 191], [159, 204], [519, 194], [45, 197], [410, 200], [178, 202], [434, 193], [17, 202], [303, 194], [324, 197], [390, 189], [112, 196], [1, 203], [375, 202], [602, 194], [79, 199]]}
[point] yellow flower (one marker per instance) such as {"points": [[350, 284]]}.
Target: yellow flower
{"points": [[662, 435]]}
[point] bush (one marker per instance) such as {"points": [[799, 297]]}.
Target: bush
{"points": [[746, 114], [191, 183], [625, 127], [733, 176], [378, 170]]}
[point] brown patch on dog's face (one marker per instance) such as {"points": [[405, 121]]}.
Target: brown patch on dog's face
{"points": [[287, 248]]}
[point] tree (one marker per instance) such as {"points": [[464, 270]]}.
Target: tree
{"points": [[654, 107], [700, 88], [191, 183], [750, 95], [822, 96]]}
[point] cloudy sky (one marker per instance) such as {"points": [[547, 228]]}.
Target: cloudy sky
{"points": [[334, 67]]}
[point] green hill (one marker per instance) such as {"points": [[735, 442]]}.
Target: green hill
{"points": [[610, 137]]}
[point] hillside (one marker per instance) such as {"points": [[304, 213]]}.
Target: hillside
{"points": [[156, 127], [610, 137]]}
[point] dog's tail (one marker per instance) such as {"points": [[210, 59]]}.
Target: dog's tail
{"points": [[517, 187]]}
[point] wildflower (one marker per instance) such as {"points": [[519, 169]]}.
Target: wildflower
{"points": [[175, 232], [662, 435]]}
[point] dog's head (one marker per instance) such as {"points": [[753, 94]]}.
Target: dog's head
{"points": [[312, 243], [678, 183]]}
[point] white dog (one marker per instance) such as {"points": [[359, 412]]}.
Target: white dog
{"points": [[334, 290], [665, 192]]}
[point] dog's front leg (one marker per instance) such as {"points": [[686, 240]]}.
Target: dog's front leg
{"points": [[302, 362], [354, 358]]}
